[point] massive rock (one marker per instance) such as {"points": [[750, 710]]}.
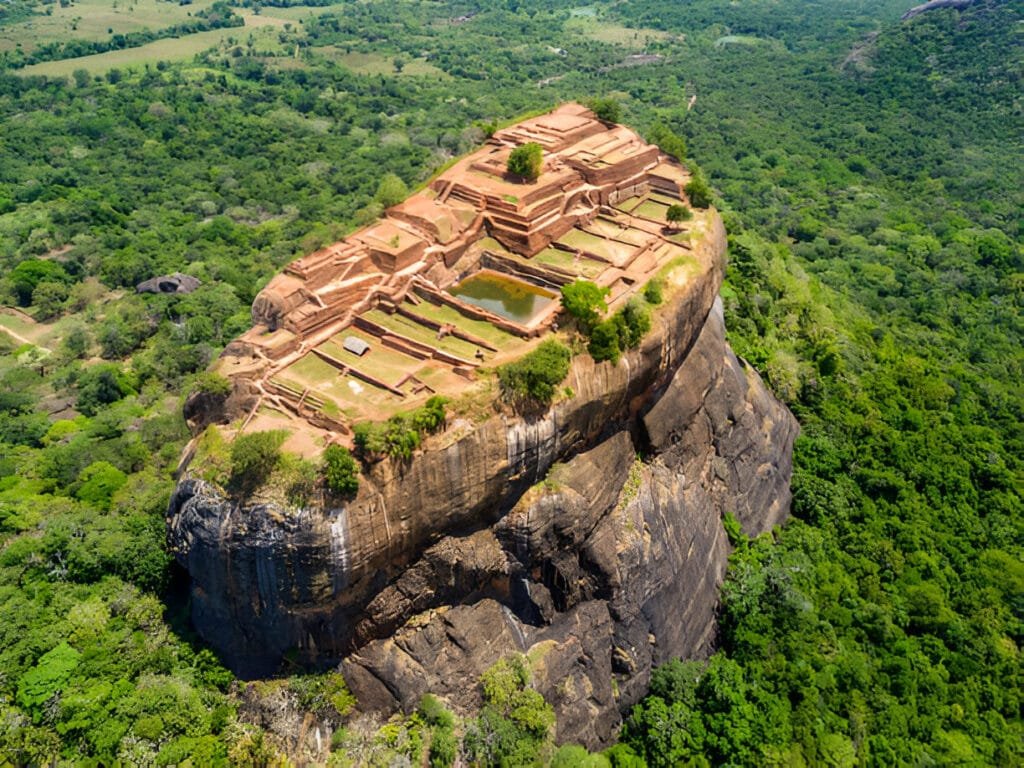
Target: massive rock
{"points": [[609, 566], [588, 536]]}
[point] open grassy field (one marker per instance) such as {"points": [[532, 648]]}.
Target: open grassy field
{"points": [[262, 28], [96, 20], [25, 330], [606, 31], [378, 63]]}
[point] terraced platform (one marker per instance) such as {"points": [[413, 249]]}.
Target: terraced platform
{"points": [[372, 325]]}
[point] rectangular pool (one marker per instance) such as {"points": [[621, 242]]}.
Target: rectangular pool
{"points": [[513, 299]]}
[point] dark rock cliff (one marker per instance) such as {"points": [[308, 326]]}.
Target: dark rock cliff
{"points": [[548, 536]]}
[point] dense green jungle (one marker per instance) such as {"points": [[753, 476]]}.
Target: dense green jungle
{"points": [[871, 175]]}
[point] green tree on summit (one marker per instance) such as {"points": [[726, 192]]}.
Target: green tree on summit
{"points": [[677, 214], [526, 161]]}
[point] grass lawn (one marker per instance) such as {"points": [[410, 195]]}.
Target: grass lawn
{"points": [[660, 198], [378, 63], [301, 12], [349, 393], [484, 330], [42, 335], [383, 363], [608, 228], [615, 34], [582, 267], [20, 326], [412, 330], [652, 210], [736, 40], [615, 252], [627, 205], [679, 269]]}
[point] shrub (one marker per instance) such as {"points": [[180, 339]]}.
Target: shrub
{"points": [[30, 273], [444, 748], [431, 416], [401, 438], [99, 482], [400, 435], [434, 712], [391, 190], [604, 340], [209, 383], [47, 677], [637, 319], [48, 299], [536, 375], [585, 301], [341, 472], [515, 722], [668, 141], [575, 756], [301, 478], [526, 161], [326, 695], [623, 330], [623, 756], [606, 109], [444, 745], [101, 385], [654, 292], [697, 189], [254, 456], [368, 437]]}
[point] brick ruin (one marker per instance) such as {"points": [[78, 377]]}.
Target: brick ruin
{"points": [[375, 323]]}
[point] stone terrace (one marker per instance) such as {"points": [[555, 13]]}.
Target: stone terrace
{"points": [[371, 325]]}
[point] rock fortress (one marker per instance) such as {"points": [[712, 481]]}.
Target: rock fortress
{"points": [[462, 275], [588, 535]]}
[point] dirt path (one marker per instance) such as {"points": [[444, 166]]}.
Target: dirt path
{"points": [[17, 336]]}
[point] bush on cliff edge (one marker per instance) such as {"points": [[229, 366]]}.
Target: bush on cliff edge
{"points": [[254, 456], [535, 375], [341, 472]]}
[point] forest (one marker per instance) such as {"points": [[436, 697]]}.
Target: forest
{"points": [[870, 175]]}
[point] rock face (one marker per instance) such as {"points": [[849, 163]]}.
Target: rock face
{"points": [[173, 283], [545, 535], [610, 566]]}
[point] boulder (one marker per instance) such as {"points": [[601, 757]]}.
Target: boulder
{"points": [[173, 283]]}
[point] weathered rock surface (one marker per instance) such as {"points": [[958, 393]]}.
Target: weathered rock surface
{"points": [[173, 283], [934, 5], [610, 566], [543, 535]]}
